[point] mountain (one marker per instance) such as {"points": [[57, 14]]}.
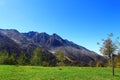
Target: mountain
{"points": [[14, 42], [55, 44], [51, 44], [9, 45], [16, 36]]}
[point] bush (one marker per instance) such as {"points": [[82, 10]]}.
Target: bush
{"points": [[118, 65], [99, 64]]}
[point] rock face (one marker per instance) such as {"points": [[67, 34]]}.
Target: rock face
{"points": [[9, 45], [15, 42], [55, 44], [51, 43]]}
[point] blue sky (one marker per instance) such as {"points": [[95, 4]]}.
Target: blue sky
{"points": [[84, 22]]}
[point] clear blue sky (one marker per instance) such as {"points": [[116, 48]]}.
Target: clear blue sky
{"points": [[84, 22]]}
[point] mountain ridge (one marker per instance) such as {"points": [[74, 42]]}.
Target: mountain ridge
{"points": [[53, 44]]}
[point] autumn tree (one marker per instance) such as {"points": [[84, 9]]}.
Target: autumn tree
{"points": [[118, 60], [99, 64], [108, 48]]}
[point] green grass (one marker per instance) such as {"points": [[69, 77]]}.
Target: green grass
{"points": [[8, 72]]}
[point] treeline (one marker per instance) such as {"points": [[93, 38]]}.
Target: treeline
{"points": [[37, 58], [12, 58], [109, 62]]}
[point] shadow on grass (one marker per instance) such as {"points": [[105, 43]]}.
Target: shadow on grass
{"points": [[117, 76]]}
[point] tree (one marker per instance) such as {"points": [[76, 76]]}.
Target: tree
{"points": [[3, 57], [12, 60], [60, 59], [99, 64], [108, 49], [118, 60], [22, 59], [37, 57], [6, 58]]}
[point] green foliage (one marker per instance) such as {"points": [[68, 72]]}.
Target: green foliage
{"points": [[60, 59], [37, 57], [44, 63], [22, 59], [12, 59], [3, 57]]}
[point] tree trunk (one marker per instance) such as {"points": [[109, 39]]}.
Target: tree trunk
{"points": [[112, 64]]}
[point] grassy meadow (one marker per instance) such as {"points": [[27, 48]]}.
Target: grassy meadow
{"points": [[8, 72]]}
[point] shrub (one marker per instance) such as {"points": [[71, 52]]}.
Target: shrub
{"points": [[99, 64]]}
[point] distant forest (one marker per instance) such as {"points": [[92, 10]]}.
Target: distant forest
{"points": [[38, 59]]}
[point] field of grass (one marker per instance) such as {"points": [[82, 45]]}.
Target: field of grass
{"points": [[8, 72]]}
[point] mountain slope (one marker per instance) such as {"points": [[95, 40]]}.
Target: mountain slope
{"points": [[55, 44], [14, 42], [16, 36], [9, 45], [51, 44]]}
